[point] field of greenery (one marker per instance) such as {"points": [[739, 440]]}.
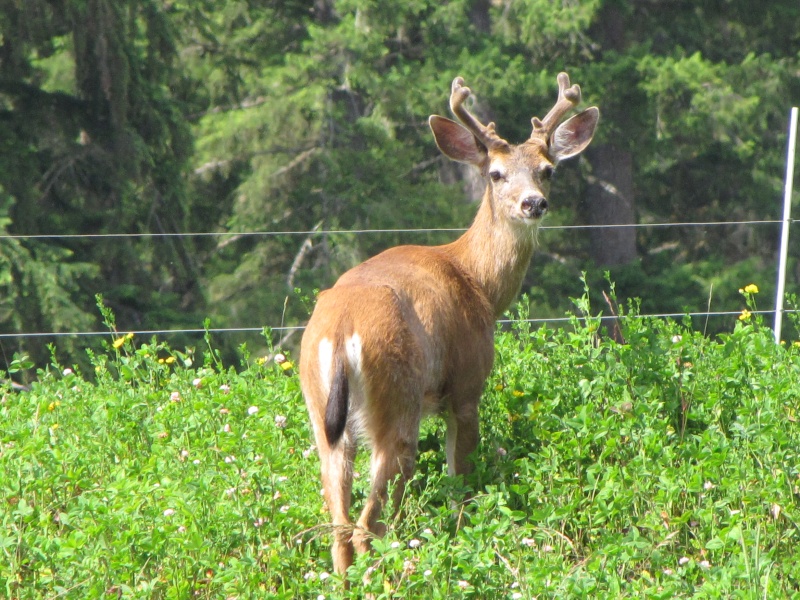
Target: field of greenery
{"points": [[660, 464]]}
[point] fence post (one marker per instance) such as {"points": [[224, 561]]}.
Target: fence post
{"points": [[787, 212]]}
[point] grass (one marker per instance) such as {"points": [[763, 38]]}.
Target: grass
{"points": [[664, 466]]}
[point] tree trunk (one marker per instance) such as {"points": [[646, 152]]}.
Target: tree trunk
{"points": [[610, 202]]}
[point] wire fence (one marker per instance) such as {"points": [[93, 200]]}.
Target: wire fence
{"points": [[289, 329], [314, 232]]}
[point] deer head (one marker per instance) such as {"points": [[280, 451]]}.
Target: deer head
{"points": [[519, 175]]}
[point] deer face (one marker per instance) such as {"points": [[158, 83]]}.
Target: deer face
{"points": [[520, 181], [518, 176]]}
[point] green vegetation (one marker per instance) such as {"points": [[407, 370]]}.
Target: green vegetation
{"points": [[662, 465]]}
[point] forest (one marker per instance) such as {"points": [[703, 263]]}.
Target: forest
{"points": [[198, 161]]}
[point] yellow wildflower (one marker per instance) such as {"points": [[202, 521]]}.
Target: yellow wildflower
{"points": [[286, 365], [745, 316], [499, 387], [118, 343], [129, 336], [169, 360], [518, 393], [751, 289]]}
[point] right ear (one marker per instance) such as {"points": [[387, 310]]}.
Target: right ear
{"points": [[457, 142]]}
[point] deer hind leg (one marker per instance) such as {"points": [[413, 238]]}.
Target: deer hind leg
{"points": [[462, 433], [394, 453], [337, 483]]}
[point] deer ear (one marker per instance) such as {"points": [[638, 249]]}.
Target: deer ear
{"points": [[574, 134], [457, 142]]}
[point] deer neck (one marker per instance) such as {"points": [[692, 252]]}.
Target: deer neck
{"points": [[496, 253]]}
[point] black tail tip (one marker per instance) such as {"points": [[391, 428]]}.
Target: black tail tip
{"points": [[336, 410]]}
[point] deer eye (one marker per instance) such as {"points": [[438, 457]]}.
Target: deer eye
{"points": [[495, 176], [547, 172]]}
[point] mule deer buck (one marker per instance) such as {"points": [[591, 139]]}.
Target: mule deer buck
{"points": [[409, 332]]}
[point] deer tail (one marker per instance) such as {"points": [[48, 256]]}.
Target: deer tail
{"points": [[338, 400]]}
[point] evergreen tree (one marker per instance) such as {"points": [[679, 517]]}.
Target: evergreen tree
{"points": [[94, 144]]}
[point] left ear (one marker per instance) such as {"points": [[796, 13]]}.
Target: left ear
{"points": [[574, 134]]}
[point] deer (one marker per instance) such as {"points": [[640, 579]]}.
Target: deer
{"points": [[410, 332]]}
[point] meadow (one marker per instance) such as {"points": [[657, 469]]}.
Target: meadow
{"points": [[662, 464]]}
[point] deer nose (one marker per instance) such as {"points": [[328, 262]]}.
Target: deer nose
{"points": [[534, 207]]}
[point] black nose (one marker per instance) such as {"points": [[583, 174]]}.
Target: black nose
{"points": [[534, 206]]}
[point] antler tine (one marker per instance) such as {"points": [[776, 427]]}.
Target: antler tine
{"points": [[484, 133], [567, 98]]}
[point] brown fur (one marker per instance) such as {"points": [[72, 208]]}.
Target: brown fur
{"points": [[409, 332]]}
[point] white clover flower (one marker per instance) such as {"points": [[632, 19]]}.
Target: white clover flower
{"points": [[415, 543], [230, 491], [67, 371], [704, 564], [395, 545], [225, 388], [197, 382], [516, 595], [428, 531], [324, 575], [547, 548], [676, 338], [182, 529], [196, 461], [252, 410], [280, 421], [226, 428], [308, 452], [668, 572], [529, 542], [175, 396], [708, 486], [310, 576], [427, 573], [169, 512], [463, 584], [284, 509], [683, 560], [230, 459]]}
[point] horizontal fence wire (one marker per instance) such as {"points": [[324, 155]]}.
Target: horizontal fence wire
{"points": [[69, 236], [287, 329]]}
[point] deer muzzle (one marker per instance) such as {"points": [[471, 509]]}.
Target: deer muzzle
{"points": [[534, 207]]}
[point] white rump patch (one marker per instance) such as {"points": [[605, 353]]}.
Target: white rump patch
{"points": [[325, 365], [353, 349]]}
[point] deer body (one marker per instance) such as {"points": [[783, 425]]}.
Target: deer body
{"points": [[409, 332]]}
